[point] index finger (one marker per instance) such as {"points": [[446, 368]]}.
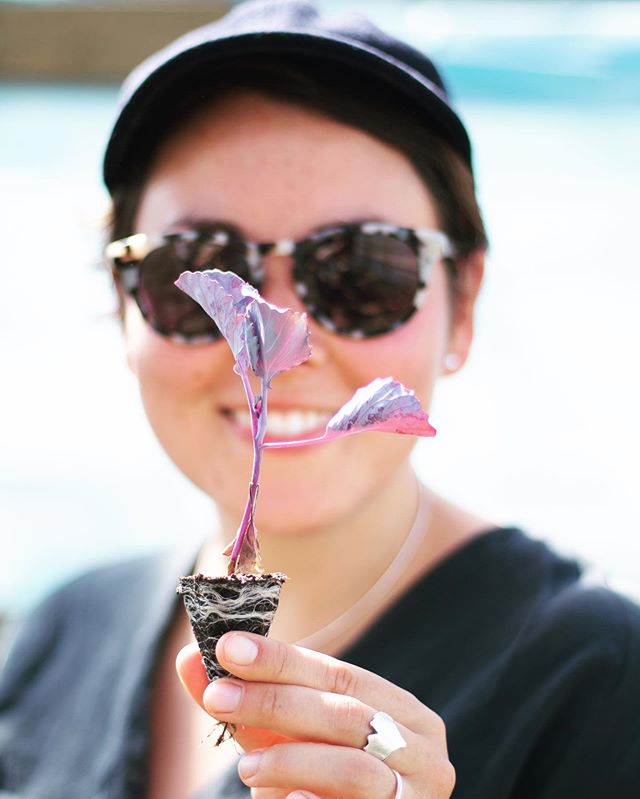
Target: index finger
{"points": [[258, 659]]}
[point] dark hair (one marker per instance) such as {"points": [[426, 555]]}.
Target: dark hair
{"points": [[345, 97]]}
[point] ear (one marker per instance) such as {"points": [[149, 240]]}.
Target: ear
{"points": [[471, 272], [131, 361]]}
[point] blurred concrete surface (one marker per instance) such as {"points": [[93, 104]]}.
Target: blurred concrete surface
{"points": [[91, 41]]}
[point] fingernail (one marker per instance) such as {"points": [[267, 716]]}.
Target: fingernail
{"points": [[240, 650], [222, 697], [249, 764]]}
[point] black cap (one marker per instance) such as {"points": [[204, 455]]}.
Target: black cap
{"points": [[280, 28]]}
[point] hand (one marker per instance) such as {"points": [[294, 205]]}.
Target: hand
{"points": [[303, 718]]}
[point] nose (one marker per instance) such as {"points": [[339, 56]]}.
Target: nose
{"points": [[277, 280], [278, 288]]}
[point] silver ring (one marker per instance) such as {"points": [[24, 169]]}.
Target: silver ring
{"points": [[386, 740], [399, 785]]}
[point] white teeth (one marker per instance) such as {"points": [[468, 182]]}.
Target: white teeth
{"points": [[286, 423], [243, 418]]}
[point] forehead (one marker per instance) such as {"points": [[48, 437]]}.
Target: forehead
{"points": [[278, 170]]}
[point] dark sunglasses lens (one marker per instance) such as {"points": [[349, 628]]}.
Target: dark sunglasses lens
{"points": [[168, 309], [360, 284]]}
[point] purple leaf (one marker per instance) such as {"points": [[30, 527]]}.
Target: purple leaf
{"points": [[383, 405], [225, 297], [277, 339], [269, 339]]}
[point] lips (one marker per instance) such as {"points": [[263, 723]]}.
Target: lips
{"points": [[289, 424]]}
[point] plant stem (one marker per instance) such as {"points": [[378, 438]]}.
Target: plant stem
{"points": [[300, 443], [258, 409]]}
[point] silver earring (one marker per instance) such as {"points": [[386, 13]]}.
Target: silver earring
{"points": [[452, 361]]}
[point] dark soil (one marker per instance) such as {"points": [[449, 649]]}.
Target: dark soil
{"points": [[217, 605]]}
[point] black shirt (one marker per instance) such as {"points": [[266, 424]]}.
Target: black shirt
{"points": [[535, 672]]}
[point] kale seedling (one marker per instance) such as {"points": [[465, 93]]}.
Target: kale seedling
{"points": [[267, 340]]}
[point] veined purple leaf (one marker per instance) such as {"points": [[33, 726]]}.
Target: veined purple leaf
{"points": [[234, 286], [384, 405], [277, 339], [269, 339], [224, 296]]}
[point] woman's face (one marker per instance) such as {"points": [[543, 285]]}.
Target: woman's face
{"points": [[276, 171]]}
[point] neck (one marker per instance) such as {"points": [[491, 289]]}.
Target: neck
{"points": [[332, 567]]}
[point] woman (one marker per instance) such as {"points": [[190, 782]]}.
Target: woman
{"points": [[493, 665]]}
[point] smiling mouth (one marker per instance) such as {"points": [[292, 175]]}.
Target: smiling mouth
{"points": [[284, 424]]}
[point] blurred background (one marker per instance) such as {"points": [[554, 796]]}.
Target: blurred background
{"points": [[540, 429]]}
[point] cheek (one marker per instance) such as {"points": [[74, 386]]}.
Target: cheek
{"points": [[413, 354], [170, 373]]}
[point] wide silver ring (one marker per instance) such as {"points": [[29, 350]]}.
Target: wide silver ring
{"points": [[399, 785], [386, 739]]}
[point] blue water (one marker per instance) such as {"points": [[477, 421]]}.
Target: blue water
{"points": [[540, 428]]}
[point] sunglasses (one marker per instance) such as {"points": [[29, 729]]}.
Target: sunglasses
{"points": [[357, 280]]}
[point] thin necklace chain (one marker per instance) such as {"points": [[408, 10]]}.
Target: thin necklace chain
{"points": [[383, 585]]}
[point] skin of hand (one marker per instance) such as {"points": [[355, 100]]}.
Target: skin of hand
{"points": [[302, 718]]}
